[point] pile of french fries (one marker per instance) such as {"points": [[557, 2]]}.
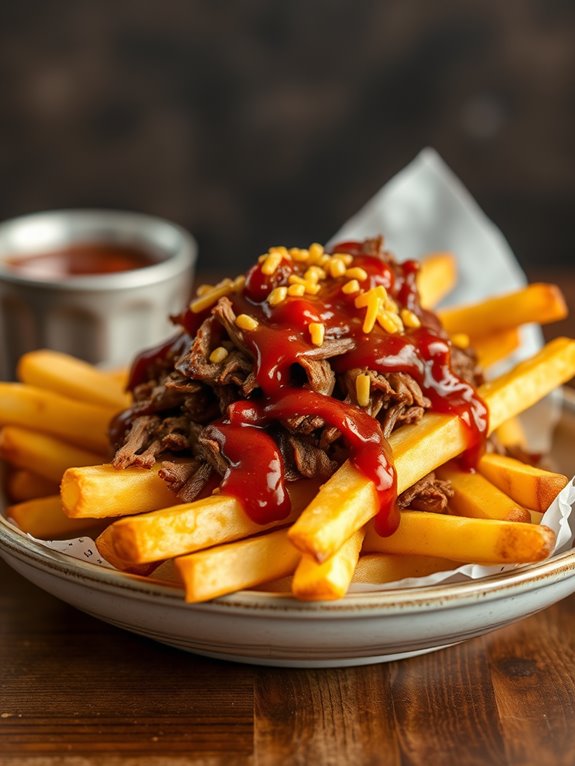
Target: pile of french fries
{"points": [[60, 482]]}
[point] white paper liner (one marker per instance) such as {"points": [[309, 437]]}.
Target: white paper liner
{"points": [[425, 208]]}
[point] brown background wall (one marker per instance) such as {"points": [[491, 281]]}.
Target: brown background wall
{"points": [[265, 121]]}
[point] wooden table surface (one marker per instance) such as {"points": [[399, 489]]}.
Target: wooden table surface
{"points": [[77, 691]]}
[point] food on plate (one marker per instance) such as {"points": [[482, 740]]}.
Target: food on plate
{"points": [[475, 496], [82, 423], [436, 278], [73, 378], [536, 303], [41, 453], [464, 539], [44, 517], [22, 484], [526, 484], [306, 415]]}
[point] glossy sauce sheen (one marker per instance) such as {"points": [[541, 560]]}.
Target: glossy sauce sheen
{"points": [[79, 260], [282, 339]]}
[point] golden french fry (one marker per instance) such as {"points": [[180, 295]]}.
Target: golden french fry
{"points": [[389, 567], [511, 434], [538, 302], [23, 484], [234, 566], [491, 349], [180, 529], [347, 500], [189, 527], [436, 278], [529, 381], [71, 377], [97, 491], [476, 497], [330, 579], [45, 455], [80, 423], [482, 541], [120, 375], [532, 487], [107, 551], [44, 518], [353, 502]]}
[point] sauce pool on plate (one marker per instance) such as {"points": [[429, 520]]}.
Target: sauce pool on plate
{"points": [[79, 260]]}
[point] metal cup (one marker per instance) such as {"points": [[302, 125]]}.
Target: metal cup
{"points": [[103, 318]]}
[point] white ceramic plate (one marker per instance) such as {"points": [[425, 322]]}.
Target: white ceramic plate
{"points": [[268, 629]]}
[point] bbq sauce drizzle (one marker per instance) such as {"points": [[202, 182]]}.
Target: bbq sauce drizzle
{"points": [[255, 473]]}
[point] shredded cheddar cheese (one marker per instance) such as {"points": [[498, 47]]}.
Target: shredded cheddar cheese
{"points": [[362, 389], [350, 287], [218, 355], [277, 295], [246, 322], [317, 332]]}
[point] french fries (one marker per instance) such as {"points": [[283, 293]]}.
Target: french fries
{"points": [[532, 487], [483, 541], [243, 564], [493, 348], [99, 491], [376, 568], [478, 498], [22, 484], [54, 429], [539, 303], [180, 529], [419, 449], [44, 518], [330, 579], [437, 277], [78, 380], [82, 424], [41, 454]]}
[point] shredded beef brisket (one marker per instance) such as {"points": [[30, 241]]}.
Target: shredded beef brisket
{"points": [[184, 392], [396, 398], [464, 363], [306, 459], [186, 480], [428, 494]]}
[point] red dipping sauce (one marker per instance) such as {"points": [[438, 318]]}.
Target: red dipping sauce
{"points": [[79, 260]]}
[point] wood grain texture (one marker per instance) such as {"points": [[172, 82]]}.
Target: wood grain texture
{"points": [[445, 708], [325, 716], [534, 683], [76, 692], [72, 684]]}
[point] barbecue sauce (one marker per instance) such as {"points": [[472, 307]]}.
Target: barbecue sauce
{"points": [[280, 344], [368, 449], [79, 260]]}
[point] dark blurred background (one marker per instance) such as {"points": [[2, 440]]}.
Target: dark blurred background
{"points": [[265, 122]]}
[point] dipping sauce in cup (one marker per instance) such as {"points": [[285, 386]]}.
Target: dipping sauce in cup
{"points": [[79, 260], [96, 284]]}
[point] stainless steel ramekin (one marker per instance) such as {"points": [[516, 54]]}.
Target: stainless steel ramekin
{"points": [[104, 318]]}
